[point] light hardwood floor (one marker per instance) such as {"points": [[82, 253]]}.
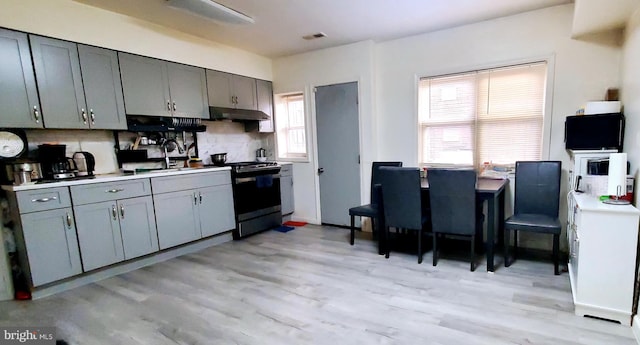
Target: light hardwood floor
{"points": [[309, 286]]}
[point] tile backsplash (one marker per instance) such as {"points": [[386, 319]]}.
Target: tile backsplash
{"points": [[219, 137]]}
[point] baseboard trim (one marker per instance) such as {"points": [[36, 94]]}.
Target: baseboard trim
{"points": [[635, 327], [129, 266]]}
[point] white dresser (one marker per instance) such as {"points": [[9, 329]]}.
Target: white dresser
{"points": [[602, 257]]}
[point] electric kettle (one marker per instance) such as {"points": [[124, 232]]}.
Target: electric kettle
{"points": [[85, 162]]}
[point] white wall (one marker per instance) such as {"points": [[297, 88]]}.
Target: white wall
{"points": [[303, 72], [77, 22]]}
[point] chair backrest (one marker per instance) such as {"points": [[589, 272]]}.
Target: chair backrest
{"points": [[453, 201], [375, 176], [401, 197], [538, 188]]}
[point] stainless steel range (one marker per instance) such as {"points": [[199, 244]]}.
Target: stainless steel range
{"points": [[256, 195]]}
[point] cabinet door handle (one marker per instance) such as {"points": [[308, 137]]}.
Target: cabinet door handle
{"points": [[200, 197], [117, 190], [45, 199], [174, 106], [84, 116], [168, 105], [114, 213], [36, 114], [122, 211], [93, 117], [195, 198], [68, 220]]}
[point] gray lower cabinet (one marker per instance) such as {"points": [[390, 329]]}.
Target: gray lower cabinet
{"points": [[51, 245], [19, 96], [177, 218], [265, 104], [59, 82], [231, 90], [155, 87], [216, 210], [102, 87], [113, 231], [286, 189], [184, 215]]}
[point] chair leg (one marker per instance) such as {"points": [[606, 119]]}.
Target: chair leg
{"points": [[506, 248], [353, 229], [473, 252], [374, 231], [419, 246], [435, 249], [386, 242], [515, 245], [556, 244]]}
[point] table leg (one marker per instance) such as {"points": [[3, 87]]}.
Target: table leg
{"points": [[491, 229], [501, 219]]}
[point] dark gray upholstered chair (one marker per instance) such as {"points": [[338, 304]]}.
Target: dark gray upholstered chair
{"points": [[454, 209], [401, 204], [370, 210], [537, 200]]}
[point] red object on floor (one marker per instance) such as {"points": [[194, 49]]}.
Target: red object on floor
{"points": [[22, 295], [292, 223]]}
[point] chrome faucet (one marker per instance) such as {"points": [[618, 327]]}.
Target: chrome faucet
{"points": [[167, 143]]}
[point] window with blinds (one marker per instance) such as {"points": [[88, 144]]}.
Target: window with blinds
{"points": [[290, 126], [493, 115]]}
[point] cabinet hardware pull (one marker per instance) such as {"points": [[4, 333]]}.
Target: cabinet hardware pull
{"points": [[68, 220], [200, 197], [84, 116], [45, 199], [168, 105], [122, 211], [114, 213], [114, 190], [36, 114], [174, 106], [93, 117], [195, 198]]}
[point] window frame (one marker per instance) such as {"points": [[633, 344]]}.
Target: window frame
{"points": [[292, 157], [547, 113]]}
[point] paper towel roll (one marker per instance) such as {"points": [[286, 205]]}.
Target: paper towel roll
{"points": [[617, 182]]}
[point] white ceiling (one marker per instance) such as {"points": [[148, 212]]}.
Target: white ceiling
{"points": [[280, 24]]}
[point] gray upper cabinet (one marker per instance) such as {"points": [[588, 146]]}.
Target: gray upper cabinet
{"points": [[145, 85], [160, 88], [231, 91], [59, 82], [188, 89], [265, 104], [19, 96], [102, 87]]}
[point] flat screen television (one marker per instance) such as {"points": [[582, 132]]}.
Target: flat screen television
{"points": [[594, 132]]}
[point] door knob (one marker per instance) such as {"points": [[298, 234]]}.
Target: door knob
{"points": [[320, 171]]}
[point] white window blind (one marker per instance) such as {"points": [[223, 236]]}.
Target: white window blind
{"points": [[290, 126], [491, 115]]}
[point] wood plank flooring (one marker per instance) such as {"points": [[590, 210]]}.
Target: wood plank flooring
{"points": [[309, 286]]}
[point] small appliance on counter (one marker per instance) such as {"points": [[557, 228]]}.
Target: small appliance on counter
{"points": [[261, 155], [22, 171], [85, 163], [55, 164]]}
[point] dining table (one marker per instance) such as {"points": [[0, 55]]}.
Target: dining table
{"points": [[492, 191]]}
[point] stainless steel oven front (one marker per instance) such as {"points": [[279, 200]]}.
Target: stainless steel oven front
{"points": [[256, 197]]}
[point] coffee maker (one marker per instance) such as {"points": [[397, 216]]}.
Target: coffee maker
{"points": [[54, 162]]}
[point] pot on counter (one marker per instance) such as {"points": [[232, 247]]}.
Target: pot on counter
{"points": [[22, 171], [261, 155], [219, 158]]}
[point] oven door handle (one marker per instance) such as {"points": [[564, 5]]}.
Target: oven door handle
{"points": [[253, 178]]}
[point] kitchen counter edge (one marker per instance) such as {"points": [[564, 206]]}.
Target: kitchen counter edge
{"points": [[111, 178]]}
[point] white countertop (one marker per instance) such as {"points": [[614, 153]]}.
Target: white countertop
{"points": [[114, 177], [588, 202]]}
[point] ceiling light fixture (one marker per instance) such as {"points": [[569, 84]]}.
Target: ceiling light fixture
{"points": [[212, 10], [314, 36]]}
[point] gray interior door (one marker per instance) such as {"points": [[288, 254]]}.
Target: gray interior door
{"points": [[338, 151]]}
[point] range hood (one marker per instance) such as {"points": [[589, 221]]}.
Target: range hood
{"points": [[241, 115]]}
